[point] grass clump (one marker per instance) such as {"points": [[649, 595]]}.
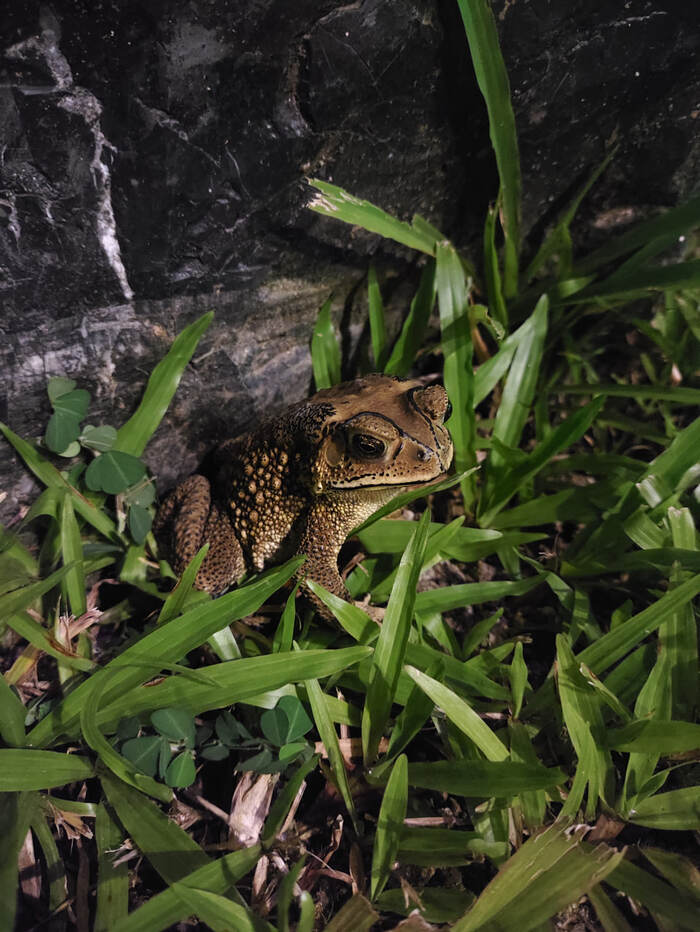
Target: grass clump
{"points": [[520, 733]]}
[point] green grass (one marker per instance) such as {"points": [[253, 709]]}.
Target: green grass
{"points": [[545, 681]]}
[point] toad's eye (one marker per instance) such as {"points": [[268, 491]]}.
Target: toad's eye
{"points": [[367, 446], [448, 411]]}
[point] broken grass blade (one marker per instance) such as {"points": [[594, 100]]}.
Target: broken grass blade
{"points": [[336, 203]]}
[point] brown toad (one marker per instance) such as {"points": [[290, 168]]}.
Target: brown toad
{"points": [[300, 482]]}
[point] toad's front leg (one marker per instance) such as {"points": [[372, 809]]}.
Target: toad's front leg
{"points": [[324, 534]]}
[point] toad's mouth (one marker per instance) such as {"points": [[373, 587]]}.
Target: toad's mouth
{"points": [[386, 486]]}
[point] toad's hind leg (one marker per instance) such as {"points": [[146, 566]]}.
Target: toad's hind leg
{"points": [[185, 522]]}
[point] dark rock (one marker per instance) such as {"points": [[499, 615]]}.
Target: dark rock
{"points": [[153, 159]]}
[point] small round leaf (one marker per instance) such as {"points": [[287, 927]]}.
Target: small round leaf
{"points": [[98, 438], [289, 751], [113, 472], [61, 431], [143, 753], [176, 724], [181, 772], [75, 403], [299, 721], [275, 726], [59, 385], [140, 522], [214, 752]]}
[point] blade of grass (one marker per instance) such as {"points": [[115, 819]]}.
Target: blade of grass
{"points": [[24, 769], [655, 894], [133, 436], [329, 737], [336, 203], [235, 681], [583, 716], [377, 323], [618, 642], [458, 372], [112, 879], [638, 281], [677, 810], [357, 915], [563, 435], [518, 393], [170, 850], [73, 583], [412, 334], [492, 272], [483, 779], [12, 715], [325, 351], [389, 826], [461, 714], [117, 763], [547, 873], [559, 238], [218, 912], [389, 652], [492, 78], [16, 812]]}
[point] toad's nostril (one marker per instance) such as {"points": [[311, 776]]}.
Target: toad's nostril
{"points": [[423, 454]]}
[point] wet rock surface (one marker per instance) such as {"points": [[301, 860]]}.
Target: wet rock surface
{"points": [[153, 160]]}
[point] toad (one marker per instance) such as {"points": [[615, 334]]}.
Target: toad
{"points": [[303, 480]]}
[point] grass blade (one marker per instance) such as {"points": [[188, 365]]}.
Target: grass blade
{"points": [[638, 281], [655, 894], [162, 384], [389, 826], [461, 714], [16, 811], [336, 203], [412, 333], [483, 779], [583, 716], [12, 715], [171, 851], [622, 639], [492, 78], [325, 351], [458, 372], [377, 323], [26, 769], [389, 653], [518, 393], [492, 272], [327, 733], [112, 879], [73, 583], [234, 681], [677, 810]]}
